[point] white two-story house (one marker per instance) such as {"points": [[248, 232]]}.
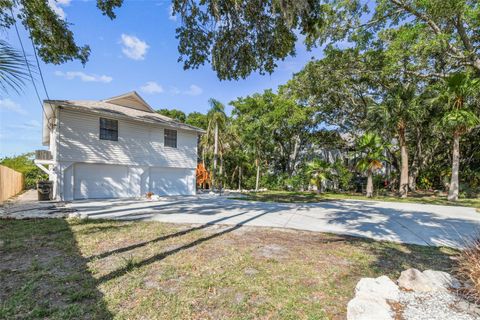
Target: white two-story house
{"points": [[115, 148]]}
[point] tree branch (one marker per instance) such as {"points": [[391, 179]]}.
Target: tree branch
{"points": [[436, 29], [463, 33]]}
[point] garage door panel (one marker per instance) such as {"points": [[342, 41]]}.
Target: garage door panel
{"points": [[101, 181], [171, 181]]}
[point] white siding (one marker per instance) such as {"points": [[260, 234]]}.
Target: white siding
{"points": [[138, 143]]}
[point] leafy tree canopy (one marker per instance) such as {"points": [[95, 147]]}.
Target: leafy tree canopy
{"points": [[429, 37], [197, 119], [51, 34], [175, 114]]}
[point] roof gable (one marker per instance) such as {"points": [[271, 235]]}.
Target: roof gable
{"points": [[130, 100]]}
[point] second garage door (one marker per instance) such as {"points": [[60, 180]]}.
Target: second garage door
{"points": [[171, 181]]}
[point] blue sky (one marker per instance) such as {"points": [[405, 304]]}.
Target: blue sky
{"points": [[136, 51]]}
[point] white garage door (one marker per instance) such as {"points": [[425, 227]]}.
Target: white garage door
{"points": [[100, 181], [171, 181]]}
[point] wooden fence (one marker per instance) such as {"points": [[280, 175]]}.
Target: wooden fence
{"points": [[11, 183]]}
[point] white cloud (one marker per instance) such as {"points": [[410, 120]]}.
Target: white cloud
{"points": [[133, 47], [171, 16], [56, 6], [10, 105], [193, 90], [174, 90], [69, 75], [152, 87]]}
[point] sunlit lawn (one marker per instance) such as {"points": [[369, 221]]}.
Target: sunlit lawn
{"points": [[288, 196], [60, 269]]}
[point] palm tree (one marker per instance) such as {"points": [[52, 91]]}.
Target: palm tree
{"points": [[460, 90], [372, 153], [319, 171], [13, 68], [216, 126], [400, 110]]}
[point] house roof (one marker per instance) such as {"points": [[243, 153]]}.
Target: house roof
{"points": [[131, 100], [139, 111]]}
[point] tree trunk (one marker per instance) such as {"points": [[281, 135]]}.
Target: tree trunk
{"points": [[412, 179], [258, 175], [215, 157], [369, 184], [404, 161], [453, 190], [240, 178], [319, 187], [220, 175], [418, 161]]}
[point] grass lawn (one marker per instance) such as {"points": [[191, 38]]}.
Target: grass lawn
{"points": [[289, 196], [70, 269]]}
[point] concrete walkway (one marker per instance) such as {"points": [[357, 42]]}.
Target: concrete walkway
{"points": [[399, 222]]}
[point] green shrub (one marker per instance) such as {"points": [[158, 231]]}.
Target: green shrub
{"points": [[24, 164]]}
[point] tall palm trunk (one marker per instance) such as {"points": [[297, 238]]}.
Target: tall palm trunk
{"points": [[258, 174], [220, 175], [240, 178], [369, 184], [404, 160], [453, 190], [215, 157]]}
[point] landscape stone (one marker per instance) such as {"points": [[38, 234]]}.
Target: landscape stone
{"points": [[441, 280], [370, 302], [415, 280], [381, 287], [426, 281], [369, 308]]}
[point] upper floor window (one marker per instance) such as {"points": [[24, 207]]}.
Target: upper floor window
{"points": [[170, 138], [108, 129]]}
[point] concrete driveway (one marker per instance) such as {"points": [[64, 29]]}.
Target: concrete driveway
{"points": [[399, 222]]}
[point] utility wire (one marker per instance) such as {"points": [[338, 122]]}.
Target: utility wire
{"points": [[29, 70], [40, 69], [38, 66]]}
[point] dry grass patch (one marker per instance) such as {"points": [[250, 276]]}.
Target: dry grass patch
{"points": [[150, 270], [468, 269]]}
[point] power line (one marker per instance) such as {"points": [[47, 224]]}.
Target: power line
{"points": [[28, 68], [39, 69], [38, 65]]}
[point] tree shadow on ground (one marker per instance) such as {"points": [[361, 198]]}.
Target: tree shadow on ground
{"points": [[339, 259], [43, 274], [420, 225]]}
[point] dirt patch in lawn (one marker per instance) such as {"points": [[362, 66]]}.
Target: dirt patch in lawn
{"points": [[160, 271]]}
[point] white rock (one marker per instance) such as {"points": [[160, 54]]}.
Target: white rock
{"points": [[413, 279], [381, 287], [426, 281], [82, 216], [73, 215], [441, 280], [369, 308]]}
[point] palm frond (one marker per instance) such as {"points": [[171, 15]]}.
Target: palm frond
{"points": [[13, 69]]}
